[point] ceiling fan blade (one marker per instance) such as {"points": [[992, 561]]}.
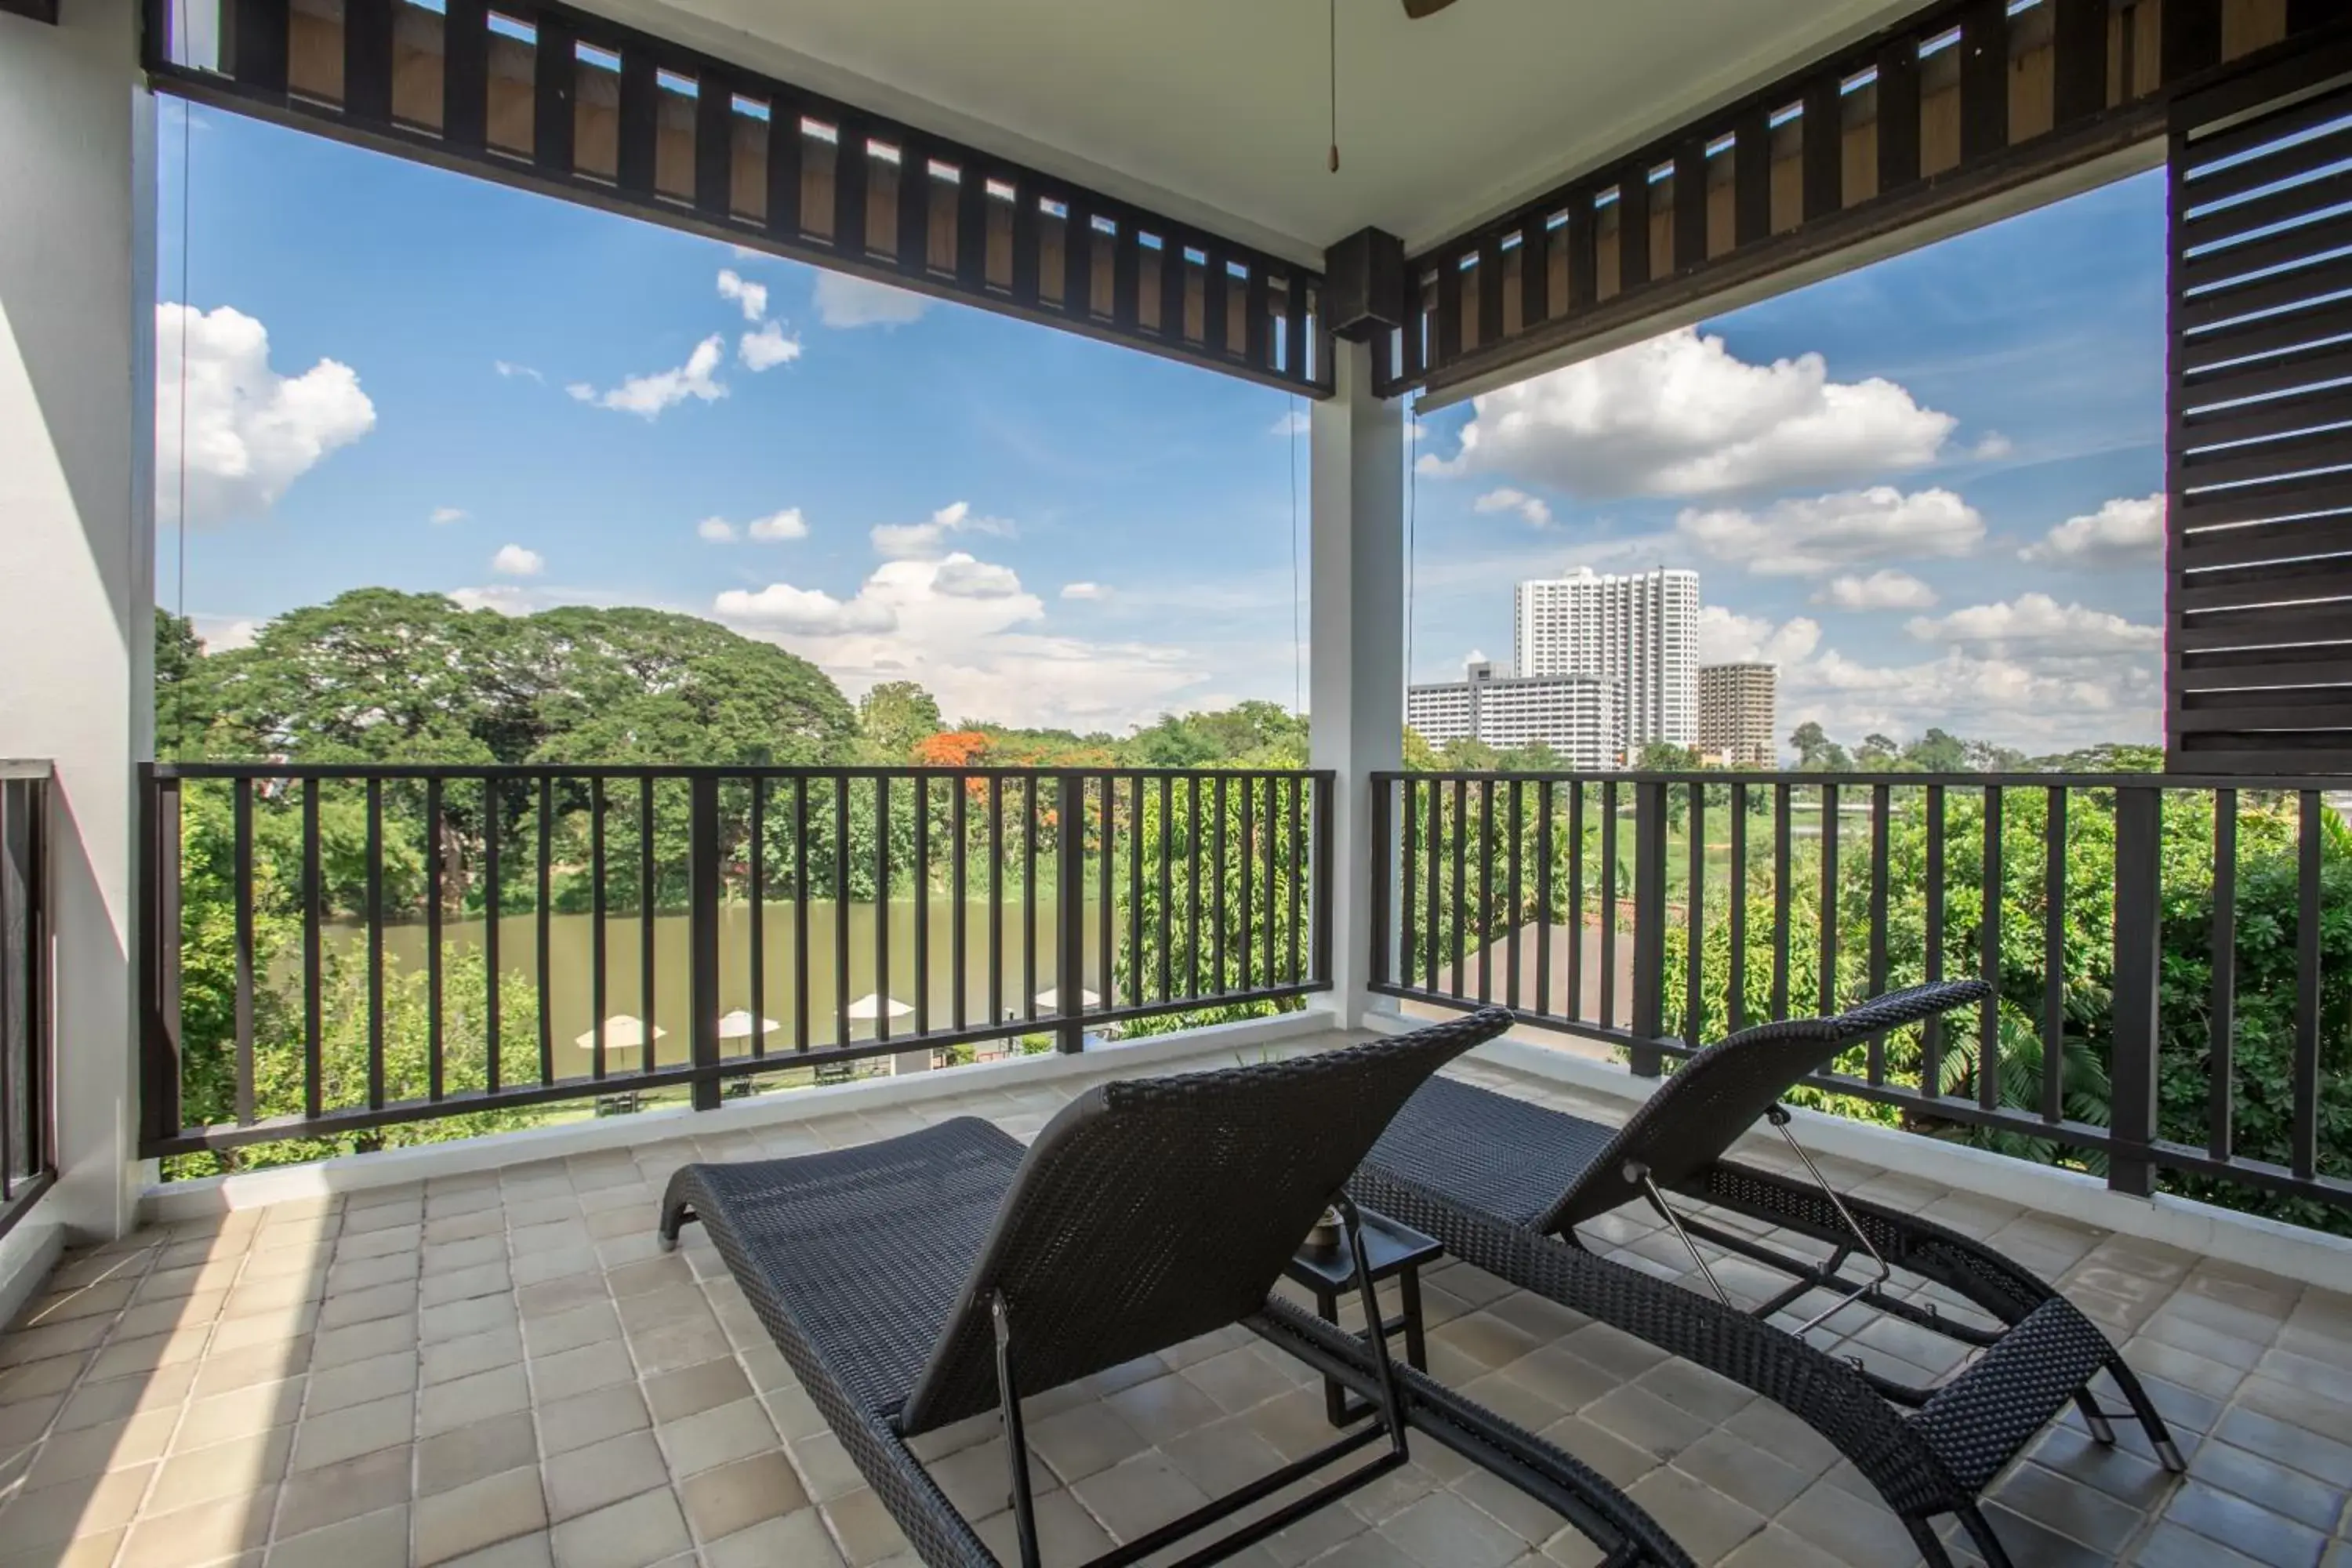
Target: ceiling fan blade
{"points": [[1417, 9]]}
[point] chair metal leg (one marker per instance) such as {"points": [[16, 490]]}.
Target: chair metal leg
{"points": [[674, 1217], [1930, 1545], [1988, 1544], [2160, 1436], [1016, 1443]]}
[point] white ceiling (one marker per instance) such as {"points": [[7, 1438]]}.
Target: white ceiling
{"points": [[1217, 111]]}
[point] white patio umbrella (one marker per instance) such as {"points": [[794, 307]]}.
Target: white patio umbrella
{"points": [[1052, 998], [738, 1025], [622, 1031], [869, 1007]]}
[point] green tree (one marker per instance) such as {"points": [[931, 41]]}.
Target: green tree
{"points": [[1664, 757], [1816, 752], [894, 718]]}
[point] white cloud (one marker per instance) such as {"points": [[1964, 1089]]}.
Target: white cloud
{"points": [[514, 561], [1994, 447], [751, 297], [982, 656], [2037, 623], [767, 348], [917, 540], [510, 369], [250, 431], [444, 515], [1680, 415], [1727, 636], [961, 577], [1295, 422], [1886, 589], [2032, 696], [2124, 530], [649, 394], [1809, 537], [222, 633], [778, 526], [1093, 592], [1529, 507], [716, 530], [846, 301], [809, 612]]}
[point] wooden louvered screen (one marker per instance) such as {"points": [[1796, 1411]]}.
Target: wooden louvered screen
{"points": [[561, 100], [2259, 445]]}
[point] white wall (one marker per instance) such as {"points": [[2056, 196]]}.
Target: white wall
{"points": [[77, 536], [1356, 637]]}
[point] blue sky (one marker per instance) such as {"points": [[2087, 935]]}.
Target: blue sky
{"points": [[1046, 529]]}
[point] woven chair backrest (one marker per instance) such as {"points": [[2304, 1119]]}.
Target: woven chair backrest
{"points": [[1695, 1116], [1154, 1210]]}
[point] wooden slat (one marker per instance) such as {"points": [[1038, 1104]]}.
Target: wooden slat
{"points": [[367, 58], [640, 122], [552, 67], [2191, 35], [2211, 180], [1751, 176], [1487, 278], [2236, 299], [2298, 247], [1823, 148], [2078, 42], [914, 214], [2268, 627], [1984, 78], [466, 74], [714, 145], [2221, 547], [1633, 259], [2261, 212], [2261, 503], [1535, 270], [1899, 129], [1690, 203], [2279, 584], [2275, 416], [255, 43], [2263, 459]]}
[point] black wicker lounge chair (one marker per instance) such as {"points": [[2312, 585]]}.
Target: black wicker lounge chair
{"points": [[1503, 1184], [921, 1279]]}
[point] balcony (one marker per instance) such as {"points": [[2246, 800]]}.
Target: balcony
{"points": [[328, 1158]]}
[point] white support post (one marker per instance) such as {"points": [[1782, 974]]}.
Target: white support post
{"points": [[77, 536], [1356, 641]]}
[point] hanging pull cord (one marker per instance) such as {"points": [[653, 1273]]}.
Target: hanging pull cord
{"points": [[1335, 86]]}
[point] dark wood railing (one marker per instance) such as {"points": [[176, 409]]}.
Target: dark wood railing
{"points": [[27, 1053], [281, 899], [2172, 955]]}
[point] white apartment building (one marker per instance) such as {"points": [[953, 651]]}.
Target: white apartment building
{"points": [[1740, 714], [1639, 632], [1580, 717]]}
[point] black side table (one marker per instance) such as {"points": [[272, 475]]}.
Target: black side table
{"points": [[1394, 1251]]}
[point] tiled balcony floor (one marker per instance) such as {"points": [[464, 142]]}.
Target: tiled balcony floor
{"points": [[499, 1369]]}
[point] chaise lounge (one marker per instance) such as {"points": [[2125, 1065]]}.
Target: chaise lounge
{"points": [[1503, 1184], [921, 1279]]}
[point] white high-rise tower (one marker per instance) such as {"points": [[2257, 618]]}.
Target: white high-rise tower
{"points": [[1639, 631]]}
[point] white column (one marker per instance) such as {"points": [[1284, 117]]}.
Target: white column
{"points": [[77, 537], [1356, 640]]}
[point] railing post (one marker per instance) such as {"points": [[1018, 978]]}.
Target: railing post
{"points": [[1070, 911], [1649, 926], [2132, 1065], [702, 934], [159, 961]]}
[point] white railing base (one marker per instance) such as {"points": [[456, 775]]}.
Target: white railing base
{"points": [[168, 1201]]}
